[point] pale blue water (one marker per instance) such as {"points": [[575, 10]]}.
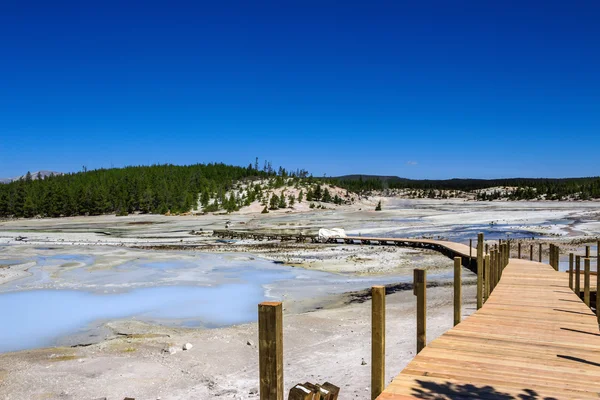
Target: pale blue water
{"points": [[204, 290], [38, 317]]}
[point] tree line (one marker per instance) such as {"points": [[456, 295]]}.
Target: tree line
{"points": [[147, 189], [523, 188]]}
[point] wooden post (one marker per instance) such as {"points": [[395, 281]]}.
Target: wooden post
{"points": [[506, 254], [496, 269], [457, 290], [578, 276], [598, 281], [587, 251], [487, 248], [492, 272], [480, 270], [530, 252], [556, 258], [420, 285], [470, 250], [487, 274], [377, 341], [586, 282], [270, 350], [551, 254], [540, 253], [519, 250], [571, 261], [500, 258]]}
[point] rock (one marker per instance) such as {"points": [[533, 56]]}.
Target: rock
{"points": [[170, 350], [249, 343], [363, 362], [187, 346]]}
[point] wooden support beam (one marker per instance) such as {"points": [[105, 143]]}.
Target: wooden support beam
{"points": [[487, 248], [300, 392], [420, 286], [457, 290], [519, 250], [587, 251], [270, 350], [540, 253], [551, 255], [480, 267], [332, 389], [377, 341], [586, 281], [571, 262]]}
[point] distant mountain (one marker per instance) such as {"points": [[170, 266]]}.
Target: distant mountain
{"points": [[34, 175]]}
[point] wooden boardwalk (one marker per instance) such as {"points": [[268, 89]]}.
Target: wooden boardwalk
{"points": [[450, 249], [533, 339]]}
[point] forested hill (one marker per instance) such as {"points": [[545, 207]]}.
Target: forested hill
{"points": [[153, 189], [523, 188]]}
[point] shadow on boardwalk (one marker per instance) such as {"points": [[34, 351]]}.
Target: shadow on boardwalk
{"points": [[448, 390]]}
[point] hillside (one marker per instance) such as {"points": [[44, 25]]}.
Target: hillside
{"points": [[479, 189]]}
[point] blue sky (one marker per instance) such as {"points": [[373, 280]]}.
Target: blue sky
{"points": [[420, 89]]}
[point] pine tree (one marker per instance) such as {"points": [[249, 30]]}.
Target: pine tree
{"points": [[274, 202], [282, 203]]}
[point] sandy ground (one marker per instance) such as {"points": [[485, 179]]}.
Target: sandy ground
{"points": [[326, 345]]}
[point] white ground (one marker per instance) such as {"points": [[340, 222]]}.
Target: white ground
{"points": [[327, 344]]}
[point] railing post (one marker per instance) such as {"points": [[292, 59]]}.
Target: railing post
{"points": [[540, 253], [457, 290], [480, 267], [556, 258], [587, 251], [578, 276], [551, 256], [571, 260], [420, 286], [586, 282], [470, 250], [492, 270], [270, 350], [598, 281], [487, 274], [496, 269], [530, 252], [519, 250], [377, 341]]}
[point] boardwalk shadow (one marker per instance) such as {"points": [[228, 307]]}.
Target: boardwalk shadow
{"points": [[577, 359], [450, 391]]}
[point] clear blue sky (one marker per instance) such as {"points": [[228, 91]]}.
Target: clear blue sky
{"points": [[421, 89]]}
